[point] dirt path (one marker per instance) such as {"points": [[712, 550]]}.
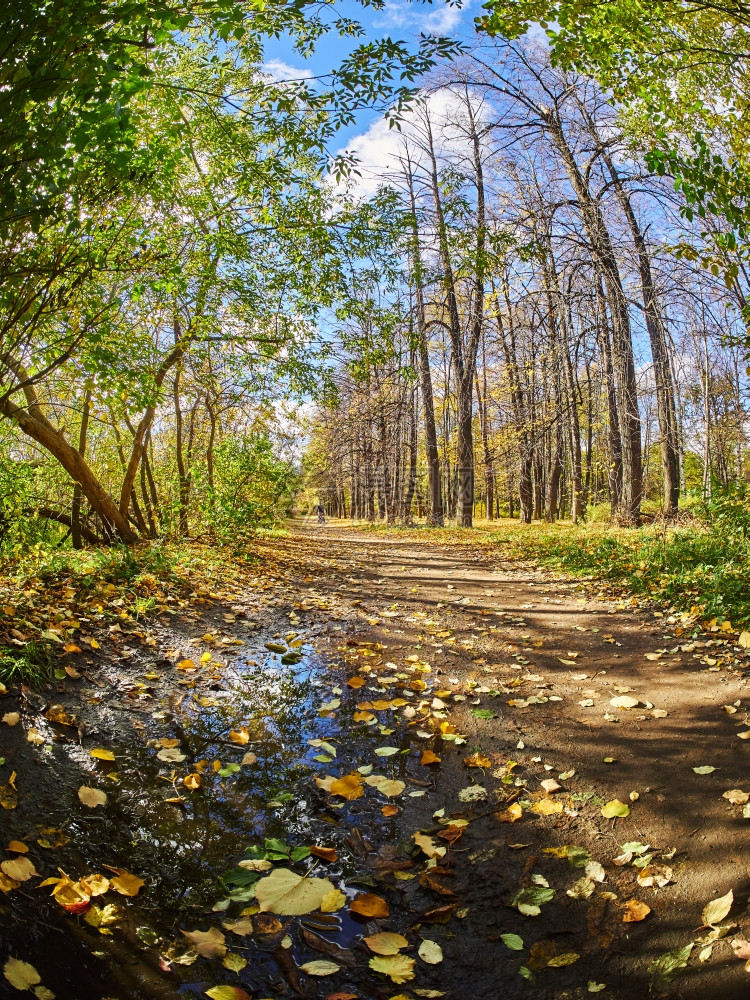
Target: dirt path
{"points": [[504, 672]]}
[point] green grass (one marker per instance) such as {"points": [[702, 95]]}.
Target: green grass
{"points": [[31, 664]]}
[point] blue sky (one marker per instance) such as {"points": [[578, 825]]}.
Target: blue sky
{"points": [[400, 20]]}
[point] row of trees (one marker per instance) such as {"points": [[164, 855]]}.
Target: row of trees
{"points": [[167, 239], [547, 348]]}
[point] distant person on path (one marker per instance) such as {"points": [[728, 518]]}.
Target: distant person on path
{"points": [[321, 514]]}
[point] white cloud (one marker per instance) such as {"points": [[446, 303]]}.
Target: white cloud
{"points": [[379, 149], [278, 70], [432, 20]]}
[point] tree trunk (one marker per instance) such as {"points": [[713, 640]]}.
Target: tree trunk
{"points": [[75, 512]]}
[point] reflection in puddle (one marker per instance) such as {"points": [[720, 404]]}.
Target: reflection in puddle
{"points": [[245, 731]]}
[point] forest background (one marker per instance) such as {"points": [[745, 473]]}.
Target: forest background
{"points": [[496, 272]]}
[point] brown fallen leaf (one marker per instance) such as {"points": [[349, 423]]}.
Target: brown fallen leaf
{"points": [[368, 905], [348, 787], [635, 911], [477, 760], [209, 944], [325, 853]]}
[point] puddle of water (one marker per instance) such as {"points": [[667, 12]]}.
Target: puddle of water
{"points": [[183, 848]]}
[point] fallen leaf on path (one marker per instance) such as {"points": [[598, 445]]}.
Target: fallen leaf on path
{"points": [[624, 701], [472, 793], [566, 958], [428, 846], [368, 905], [736, 796], [430, 952], [399, 968], [740, 946], [635, 911], [614, 809], [18, 846], [11, 718], [547, 807], [289, 894], [669, 963], [428, 757], [704, 769], [477, 760], [715, 911]]}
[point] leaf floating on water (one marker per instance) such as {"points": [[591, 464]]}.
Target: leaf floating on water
{"points": [[102, 754], [171, 755], [21, 975], [320, 968], [228, 992], [92, 797], [428, 757], [19, 869], [512, 941], [348, 787], [614, 809], [209, 944], [289, 894], [399, 968], [386, 751], [386, 943], [241, 927], [715, 911], [704, 769], [11, 718], [125, 883], [234, 962], [332, 901], [241, 736], [368, 905]]}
